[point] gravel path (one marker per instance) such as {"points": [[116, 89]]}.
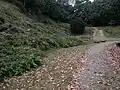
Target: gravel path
{"points": [[101, 71], [98, 35], [89, 78], [101, 67]]}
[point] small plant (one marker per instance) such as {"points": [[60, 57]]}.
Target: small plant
{"points": [[16, 60]]}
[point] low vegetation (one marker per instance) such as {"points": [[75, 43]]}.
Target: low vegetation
{"points": [[112, 31]]}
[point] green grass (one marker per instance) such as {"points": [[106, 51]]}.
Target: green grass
{"points": [[111, 31], [23, 43]]}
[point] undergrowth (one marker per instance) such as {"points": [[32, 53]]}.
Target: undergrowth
{"points": [[23, 42]]}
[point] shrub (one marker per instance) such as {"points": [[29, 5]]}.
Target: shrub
{"points": [[16, 60], [77, 26]]}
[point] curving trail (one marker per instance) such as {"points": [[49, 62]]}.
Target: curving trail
{"points": [[95, 70], [101, 69], [98, 35]]}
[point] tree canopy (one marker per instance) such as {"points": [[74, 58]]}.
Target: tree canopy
{"points": [[97, 13]]}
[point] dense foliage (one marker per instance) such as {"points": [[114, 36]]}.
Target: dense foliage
{"points": [[51, 8], [99, 12]]}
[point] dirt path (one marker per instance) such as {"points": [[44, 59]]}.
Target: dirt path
{"points": [[98, 35], [96, 73], [95, 67]]}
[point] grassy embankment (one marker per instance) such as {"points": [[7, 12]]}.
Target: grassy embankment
{"points": [[23, 42]]}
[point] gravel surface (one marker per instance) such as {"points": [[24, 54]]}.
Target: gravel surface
{"points": [[100, 70]]}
